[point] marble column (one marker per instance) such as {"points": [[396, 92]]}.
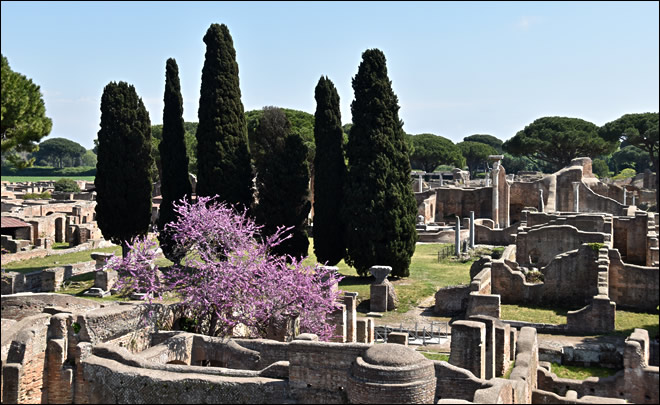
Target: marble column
{"points": [[576, 196]]}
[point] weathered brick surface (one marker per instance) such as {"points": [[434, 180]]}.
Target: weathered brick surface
{"points": [[112, 382], [526, 364], [468, 347], [451, 300]]}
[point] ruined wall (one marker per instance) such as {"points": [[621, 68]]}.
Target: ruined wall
{"points": [[538, 246], [632, 286], [510, 284], [112, 382], [571, 278], [426, 205], [500, 237], [526, 364], [460, 201], [583, 222], [451, 300], [24, 364], [527, 194], [630, 237], [318, 370]]}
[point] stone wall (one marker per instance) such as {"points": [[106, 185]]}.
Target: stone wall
{"points": [[23, 367], [451, 202], [631, 286], [630, 237], [526, 364], [318, 370], [571, 278], [112, 382], [499, 237], [597, 317], [468, 347], [451, 300], [538, 246]]}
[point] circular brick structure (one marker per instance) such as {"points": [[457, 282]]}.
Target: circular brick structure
{"points": [[392, 374]]}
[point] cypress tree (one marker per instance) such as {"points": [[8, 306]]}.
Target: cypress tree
{"points": [[329, 174], [175, 183], [379, 205], [223, 159], [123, 182], [282, 181]]}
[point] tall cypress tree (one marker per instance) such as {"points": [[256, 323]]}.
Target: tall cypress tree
{"points": [[379, 205], [282, 181], [223, 159], [175, 183], [329, 174], [123, 182]]}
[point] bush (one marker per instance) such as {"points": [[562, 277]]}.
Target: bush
{"points": [[37, 196], [624, 174], [66, 186], [497, 252]]}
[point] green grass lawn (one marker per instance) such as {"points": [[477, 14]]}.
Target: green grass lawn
{"points": [[436, 356], [426, 276], [17, 179], [41, 263], [581, 373], [625, 322]]}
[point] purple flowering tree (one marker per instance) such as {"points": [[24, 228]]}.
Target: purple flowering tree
{"points": [[229, 276]]}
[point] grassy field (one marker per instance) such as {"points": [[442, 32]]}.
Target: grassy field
{"points": [[581, 373], [625, 322], [426, 276], [41, 263], [17, 179]]}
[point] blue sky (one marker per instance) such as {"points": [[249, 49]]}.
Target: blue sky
{"points": [[457, 68]]}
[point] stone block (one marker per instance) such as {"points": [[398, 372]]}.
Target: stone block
{"points": [[105, 280], [399, 338]]}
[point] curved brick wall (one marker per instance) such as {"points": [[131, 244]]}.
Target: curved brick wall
{"points": [[391, 373]]}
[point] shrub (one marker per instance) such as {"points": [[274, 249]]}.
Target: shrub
{"points": [[625, 174], [65, 185], [497, 252], [37, 196]]}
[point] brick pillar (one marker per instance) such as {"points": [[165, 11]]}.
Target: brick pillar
{"points": [[338, 318], [351, 315], [468, 347], [362, 334], [489, 322], [371, 332]]}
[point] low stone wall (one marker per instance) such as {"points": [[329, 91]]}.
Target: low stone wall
{"points": [[597, 317], [632, 286], [484, 304], [19, 306], [544, 397], [609, 387], [109, 381], [34, 253], [526, 364], [499, 237], [455, 383], [451, 300]]}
